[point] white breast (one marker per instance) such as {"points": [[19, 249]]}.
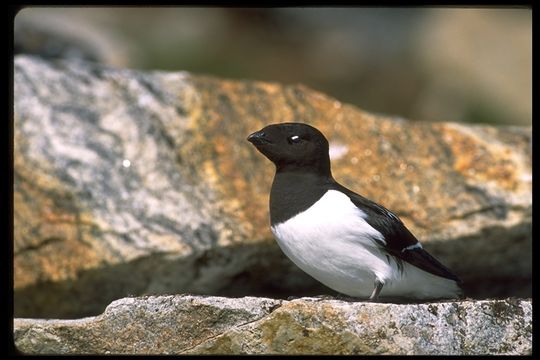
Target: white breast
{"points": [[332, 242]]}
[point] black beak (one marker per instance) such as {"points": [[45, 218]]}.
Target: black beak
{"points": [[258, 138]]}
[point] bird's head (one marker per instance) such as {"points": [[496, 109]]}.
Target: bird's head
{"points": [[293, 146]]}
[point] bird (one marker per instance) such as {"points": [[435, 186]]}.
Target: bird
{"points": [[340, 238]]}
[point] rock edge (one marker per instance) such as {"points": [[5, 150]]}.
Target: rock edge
{"points": [[186, 324]]}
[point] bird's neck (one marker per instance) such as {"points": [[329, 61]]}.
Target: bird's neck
{"points": [[318, 166], [295, 190]]}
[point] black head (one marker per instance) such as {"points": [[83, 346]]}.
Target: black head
{"points": [[293, 146]]}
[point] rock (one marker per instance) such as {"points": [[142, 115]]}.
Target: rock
{"points": [[62, 33], [249, 325], [132, 183]]}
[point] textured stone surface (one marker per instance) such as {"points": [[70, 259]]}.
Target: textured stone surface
{"points": [[216, 325], [142, 183]]}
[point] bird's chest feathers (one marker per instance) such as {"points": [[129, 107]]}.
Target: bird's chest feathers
{"points": [[333, 224]]}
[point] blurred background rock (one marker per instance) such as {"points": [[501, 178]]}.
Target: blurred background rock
{"points": [[430, 64]]}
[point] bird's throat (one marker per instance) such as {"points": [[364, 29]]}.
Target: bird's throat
{"points": [[293, 192]]}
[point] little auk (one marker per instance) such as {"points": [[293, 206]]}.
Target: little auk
{"points": [[342, 239]]}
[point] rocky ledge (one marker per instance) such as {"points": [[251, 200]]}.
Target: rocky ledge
{"points": [[184, 324]]}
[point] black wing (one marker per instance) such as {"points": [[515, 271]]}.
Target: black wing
{"points": [[400, 242]]}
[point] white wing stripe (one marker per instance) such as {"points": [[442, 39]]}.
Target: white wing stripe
{"points": [[412, 247]]}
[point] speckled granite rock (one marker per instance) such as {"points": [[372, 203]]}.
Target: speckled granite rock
{"points": [[216, 325], [143, 183]]}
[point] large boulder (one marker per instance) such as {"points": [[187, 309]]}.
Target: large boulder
{"points": [[131, 183], [215, 325]]}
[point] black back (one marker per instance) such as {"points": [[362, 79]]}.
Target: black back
{"points": [[398, 238]]}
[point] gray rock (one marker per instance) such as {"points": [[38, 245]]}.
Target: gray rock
{"points": [[61, 33], [133, 183], [216, 325]]}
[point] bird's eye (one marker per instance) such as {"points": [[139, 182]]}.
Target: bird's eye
{"points": [[295, 139]]}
